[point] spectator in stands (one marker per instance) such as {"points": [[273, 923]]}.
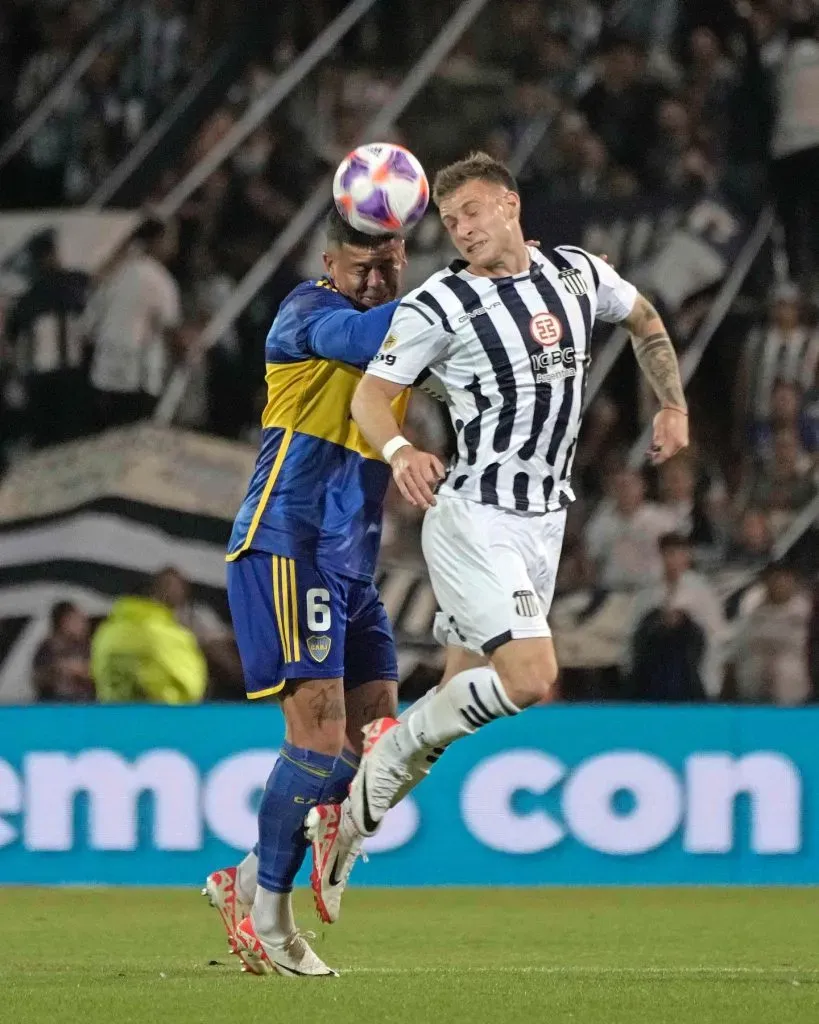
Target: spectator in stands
{"points": [[101, 136], [43, 330], [141, 652], [620, 106], [785, 351], [158, 56], [623, 534], [61, 666], [789, 409], [666, 652], [679, 495], [664, 163], [215, 637], [132, 317], [769, 659], [46, 63], [795, 144], [709, 80], [684, 598], [750, 547], [785, 481]]}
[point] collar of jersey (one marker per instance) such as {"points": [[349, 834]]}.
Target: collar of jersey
{"points": [[459, 267]]}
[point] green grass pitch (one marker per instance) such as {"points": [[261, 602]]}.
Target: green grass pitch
{"points": [[603, 956]]}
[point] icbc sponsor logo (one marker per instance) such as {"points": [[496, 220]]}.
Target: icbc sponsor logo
{"points": [[546, 329]]}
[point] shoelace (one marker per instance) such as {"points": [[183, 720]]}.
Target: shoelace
{"points": [[297, 945], [382, 785]]}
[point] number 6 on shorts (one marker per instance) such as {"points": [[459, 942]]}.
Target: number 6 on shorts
{"points": [[318, 610]]}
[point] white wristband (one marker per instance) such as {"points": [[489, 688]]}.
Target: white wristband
{"points": [[392, 446]]}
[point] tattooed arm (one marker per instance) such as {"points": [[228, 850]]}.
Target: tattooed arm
{"points": [[658, 361]]}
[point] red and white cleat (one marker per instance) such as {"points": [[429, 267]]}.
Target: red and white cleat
{"points": [[373, 732], [335, 851], [220, 888], [292, 959], [337, 831]]}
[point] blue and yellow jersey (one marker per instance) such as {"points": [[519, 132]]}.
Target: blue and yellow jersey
{"points": [[318, 488]]}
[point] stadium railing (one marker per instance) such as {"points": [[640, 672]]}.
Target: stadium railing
{"points": [[64, 85], [313, 208]]}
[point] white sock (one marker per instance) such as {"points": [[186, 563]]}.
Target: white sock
{"points": [[418, 767], [469, 700], [422, 700], [247, 872], [273, 916]]}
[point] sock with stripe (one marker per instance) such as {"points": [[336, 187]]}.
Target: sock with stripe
{"points": [[298, 782], [470, 700]]}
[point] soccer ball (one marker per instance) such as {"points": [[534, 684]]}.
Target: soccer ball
{"points": [[380, 188]]}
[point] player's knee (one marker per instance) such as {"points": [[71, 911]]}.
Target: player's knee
{"points": [[323, 737], [314, 712], [528, 671]]}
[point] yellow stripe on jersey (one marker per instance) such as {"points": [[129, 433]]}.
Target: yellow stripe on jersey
{"points": [[294, 594], [268, 487], [277, 602], [313, 397]]}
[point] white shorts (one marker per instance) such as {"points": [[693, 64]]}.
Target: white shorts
{"points": [[493, 571]]}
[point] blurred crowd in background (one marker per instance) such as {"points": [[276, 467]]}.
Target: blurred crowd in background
{"points": [[670, 587]]}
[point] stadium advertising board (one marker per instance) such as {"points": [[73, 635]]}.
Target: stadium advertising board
{"points": [[565, 795]]}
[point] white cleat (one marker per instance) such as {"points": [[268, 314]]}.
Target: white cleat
{"points": [[293, 959], [220, 888], [381, 776], [336, 848]]}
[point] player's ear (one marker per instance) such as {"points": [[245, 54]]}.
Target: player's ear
{"points": [[512, 204], [328, 261], [402, 252]]}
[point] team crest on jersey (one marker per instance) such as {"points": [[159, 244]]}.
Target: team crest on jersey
{"points": [[573, 281], [526, 604], [319, 647]]}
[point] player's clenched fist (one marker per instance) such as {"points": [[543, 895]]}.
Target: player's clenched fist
{"points": [[416, 473], [670, 435]]}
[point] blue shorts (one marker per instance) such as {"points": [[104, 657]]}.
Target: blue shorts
{"points": [[293, 620]]}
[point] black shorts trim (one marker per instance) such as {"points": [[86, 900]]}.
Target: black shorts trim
{"points": [[497, 641]]}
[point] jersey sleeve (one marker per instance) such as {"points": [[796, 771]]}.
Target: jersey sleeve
{"points": [[415, 342], [324, 323], [615, 295]]}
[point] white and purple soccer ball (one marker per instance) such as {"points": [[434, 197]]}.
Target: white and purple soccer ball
{"points": [[381, 188]]}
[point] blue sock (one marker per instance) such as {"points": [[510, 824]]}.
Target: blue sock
{"points": [[298, 782], [339, 783]]}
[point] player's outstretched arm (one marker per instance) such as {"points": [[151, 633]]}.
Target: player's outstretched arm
{"points": [[658, 361], [349, 335], [415, 472]]}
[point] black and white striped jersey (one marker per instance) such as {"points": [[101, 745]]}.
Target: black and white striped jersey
{"points": [[513, 354]]}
